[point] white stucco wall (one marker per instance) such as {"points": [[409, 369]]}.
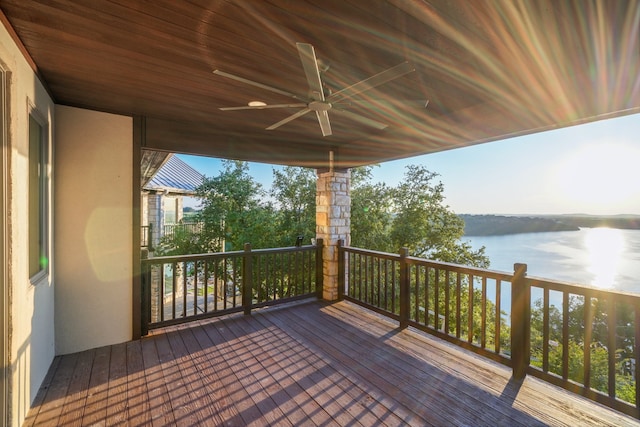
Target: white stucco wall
{"points": [[93, 220], [30, 332]]}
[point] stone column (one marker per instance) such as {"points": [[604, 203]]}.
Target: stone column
{"points": [[144, 208], [179, 209], [156, 217], [333, 223]]}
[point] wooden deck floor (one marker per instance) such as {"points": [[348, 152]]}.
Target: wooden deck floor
{"points": [[307, 364]]}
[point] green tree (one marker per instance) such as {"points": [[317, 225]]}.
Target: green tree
{"points": [[414, 215], [425, 225], [294, 192], [383, 218], [370, 212], [233, 211], [411, 215]]}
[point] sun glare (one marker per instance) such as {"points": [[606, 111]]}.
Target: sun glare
{"points": [[604, 246], [598, 175]]}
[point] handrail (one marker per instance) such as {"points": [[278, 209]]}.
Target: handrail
{"points": [[567, 334], [190, 227], [178, 289]]}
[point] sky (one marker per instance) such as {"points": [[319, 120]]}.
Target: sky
{"points": [[592, 169]]}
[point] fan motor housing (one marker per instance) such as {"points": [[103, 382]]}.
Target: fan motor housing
{"points": [[319, 106]]}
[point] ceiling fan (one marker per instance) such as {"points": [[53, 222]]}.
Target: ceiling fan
{"points": [[320, 100]]}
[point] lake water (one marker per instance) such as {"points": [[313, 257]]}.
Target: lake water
{"points": [[602, 257]]}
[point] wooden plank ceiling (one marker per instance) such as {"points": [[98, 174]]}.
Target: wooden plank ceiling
{"points": [[489, 70]]}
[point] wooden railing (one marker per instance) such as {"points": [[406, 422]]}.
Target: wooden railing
{"points": [[586, 340], [177, 289], [169, 230], [463, 305], [583, 339]]}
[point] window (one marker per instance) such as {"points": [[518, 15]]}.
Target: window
{"points": [[38, 198], [170, 210]]}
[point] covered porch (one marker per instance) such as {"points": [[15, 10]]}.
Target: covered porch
{"points": [[309, 363], [92, 86]]}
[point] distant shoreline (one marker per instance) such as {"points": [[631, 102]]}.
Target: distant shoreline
{"points": [[499, 225]]}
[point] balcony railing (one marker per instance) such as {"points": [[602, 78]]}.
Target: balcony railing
{"points": [[463, 305], [169, 230], [178, 289], [583, 339]]}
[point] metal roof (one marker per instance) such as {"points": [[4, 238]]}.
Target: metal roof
{"points": [[176, 177]]}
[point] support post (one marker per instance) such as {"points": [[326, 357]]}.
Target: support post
{"points": [[404, 288], [520, 321], [145, 294], [319, 264], [150, 237], [333, 222], [341, 270], [247, 278]]}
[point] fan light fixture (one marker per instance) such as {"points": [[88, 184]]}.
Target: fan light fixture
{"points": [[256, 104]]}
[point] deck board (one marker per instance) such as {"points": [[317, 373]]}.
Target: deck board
{"points": [[137, 393], [159, 405], [277, 384], [75, 401], [117, 409], [53, 404], [95, 410], [38, 401], [306, 364], [307, 361]]}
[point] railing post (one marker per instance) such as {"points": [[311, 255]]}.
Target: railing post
{"points": [[145, 297], [520, 321], [404, 288], [150, 237], [319, 266], [247, 278], [341, 270]]}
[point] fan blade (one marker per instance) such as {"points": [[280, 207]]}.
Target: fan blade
{"points": [[373, 104], [256, 84], [311, 70], [263, 107], [358, 118], [323, 119], [373, 81], [288, 119]]}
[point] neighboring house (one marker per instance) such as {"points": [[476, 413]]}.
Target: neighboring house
{"points": [[162, 197]]}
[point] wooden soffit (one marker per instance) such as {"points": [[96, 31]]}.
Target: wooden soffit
{"points": [[489, 70]]}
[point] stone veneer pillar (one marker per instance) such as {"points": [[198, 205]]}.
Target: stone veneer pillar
{"points": [[155, 209], [333, 223]]}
